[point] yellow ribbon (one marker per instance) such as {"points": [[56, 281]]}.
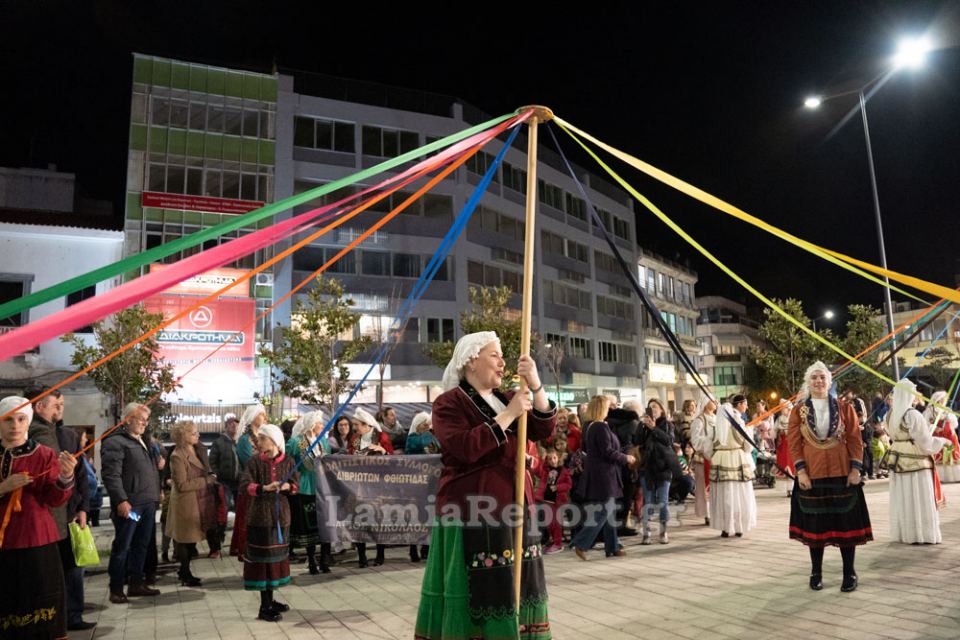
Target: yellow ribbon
{"points": [[836, 258], [743, 283]]}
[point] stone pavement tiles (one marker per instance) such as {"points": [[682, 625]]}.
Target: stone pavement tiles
{"points": [[698, 586]]}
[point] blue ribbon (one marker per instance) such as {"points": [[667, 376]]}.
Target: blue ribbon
{"points": [[935, 340]]}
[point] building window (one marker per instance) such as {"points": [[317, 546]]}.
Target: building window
{"points": [[562, 294], [505, 255], [606, 262], [12, 289], [605, 218], [619, 353], [651, 281], [621, 228], [576, 207], [496, 222], [388, 143], [347, 264], [549, 194], [614, 308], [514, 178], [725, 376], [80, 296], [553, 243], [375, 263], [579, 348], [480, 162], [490, 276], [406, 265], [642, 276], [316, 133], [439, 330], [687, 297], [437, 206]]}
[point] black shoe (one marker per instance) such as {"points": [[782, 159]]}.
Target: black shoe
{"points": [[269, 615], [414, 556], [424, 551], [190, 581], [739, 535], [279, 607], [81, 626], [627, 532], [379, 560], [324, 568], [165, 558], [362, 562], [724, 534], [816, 581], [849, 583]]}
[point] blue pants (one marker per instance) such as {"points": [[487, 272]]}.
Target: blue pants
{"points": [[655, 495], [602, 521], [129, 550]]}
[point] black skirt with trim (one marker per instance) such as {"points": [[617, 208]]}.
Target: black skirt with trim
{"points": [[830, 514], [32, 601]]}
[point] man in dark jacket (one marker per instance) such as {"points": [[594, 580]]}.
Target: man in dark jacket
{"points": [[47, 429], [625, 423], [130, 477], [223, 458]]}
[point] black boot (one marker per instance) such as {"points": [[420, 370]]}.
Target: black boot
{"points": [[267, 611], [816, 568], [850, 579], [361, 554], [326, 557], [379, 560], [424, 551], [187, 579], [414, 556], [312, 560]]}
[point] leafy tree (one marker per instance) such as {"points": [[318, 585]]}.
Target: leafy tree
{"points": [[309, 361], [863, 329], [937, 366], [137, 374], [488, 313]]}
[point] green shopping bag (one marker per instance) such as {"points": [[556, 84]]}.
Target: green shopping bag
{"points": [[84, 550]]}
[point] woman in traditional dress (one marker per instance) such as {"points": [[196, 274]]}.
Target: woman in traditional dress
{"points": [[944, 425], [369, 440], [784, 461], [468, 587], [827, 506], [253, 417], [915, 492], [32, 480], [304, 449], [269, 477], [704, 422], [192, 507], [733, 507]]}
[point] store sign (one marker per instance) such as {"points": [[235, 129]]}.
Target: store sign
{"points": [[197, 203], [211, 282], [663, 373], [568, 396]]}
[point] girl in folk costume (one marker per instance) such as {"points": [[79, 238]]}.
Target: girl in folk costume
{"points": [[733, 507], [781, 426], [32, 479], [369, 440], [266, 565], [944, 426], [915, 493], [468, 587], [827, 507], [253, 418], [304, 530], [705, 420]]}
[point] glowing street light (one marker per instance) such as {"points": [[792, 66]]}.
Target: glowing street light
{"points": [[813, 102], [912, 52]]}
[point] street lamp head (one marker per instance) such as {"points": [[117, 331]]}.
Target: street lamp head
{"points": [[912, 52], [813, 102], [828, 315]]}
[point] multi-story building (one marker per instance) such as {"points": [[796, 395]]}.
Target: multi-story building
{"points": [[725, 333], [942, 333], [207, 143], [671, 285]]}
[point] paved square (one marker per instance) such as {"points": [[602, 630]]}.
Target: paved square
{"points": [[699, 586]]}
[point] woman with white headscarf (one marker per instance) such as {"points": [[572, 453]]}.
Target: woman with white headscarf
{"points": [[915, 494], [944, 425], [733, 507], [827, 507], [304, 447], [253, 418], [420, 438], [468, 583], [705, 419]]}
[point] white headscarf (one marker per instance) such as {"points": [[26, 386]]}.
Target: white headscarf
{"points": [[418, 419], [468, 348], [306, 423], [931, 413], [12, 402], [273, 432], [702, 405], [723, 427], [250, 414], [364, 416], [903, 394], [805, 389]]}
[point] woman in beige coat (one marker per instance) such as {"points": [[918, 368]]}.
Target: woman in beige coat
{"points": [[191, 503]]}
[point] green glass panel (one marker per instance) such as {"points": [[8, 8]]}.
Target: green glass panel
{"points": [[216, 81], [195, 144], [192, 217], [213, 145], [134, 210], [161, 73], [211, 219], [177, 142], [250, 146], [268, 89], [198, 78], [234, 85], [138, 137], [131, 275], [251, 86], [263, 224], [179, 76], [267, 152], [173, 216], [263, 292], [142, 69], [158, 139], [231, 148], [155, 215]]}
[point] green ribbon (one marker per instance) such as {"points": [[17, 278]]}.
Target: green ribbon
{"points": [[156, 254]]}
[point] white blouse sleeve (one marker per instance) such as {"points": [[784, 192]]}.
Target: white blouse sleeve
{"points": [[920, 433], [706, 441], [697, 434]]}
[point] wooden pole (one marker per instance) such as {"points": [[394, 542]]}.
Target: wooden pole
{"points": [[541, 114]]}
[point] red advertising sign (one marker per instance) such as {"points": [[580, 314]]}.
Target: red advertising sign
{"points": [[227, 375], [197, 203], [210, 282]]}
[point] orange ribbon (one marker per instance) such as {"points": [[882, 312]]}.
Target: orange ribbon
{"points": [[12, 506]]}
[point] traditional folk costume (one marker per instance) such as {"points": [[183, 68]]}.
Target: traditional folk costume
{"points": [[304, 529], [266, 556], [699, 427], [733, 507], [32, 600], [468, 587], [824, 437], [944, 426], [782, 425], [915, 493], [246, 450]]}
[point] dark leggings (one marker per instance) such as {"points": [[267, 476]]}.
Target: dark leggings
{"points": [[846, 553], [184, 552]]}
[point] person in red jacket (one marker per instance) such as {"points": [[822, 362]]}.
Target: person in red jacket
{"points": [[368, 439], [553, 491], [32, 479]]}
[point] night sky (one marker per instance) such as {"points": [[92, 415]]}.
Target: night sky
{"points": [[709, 92]]}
